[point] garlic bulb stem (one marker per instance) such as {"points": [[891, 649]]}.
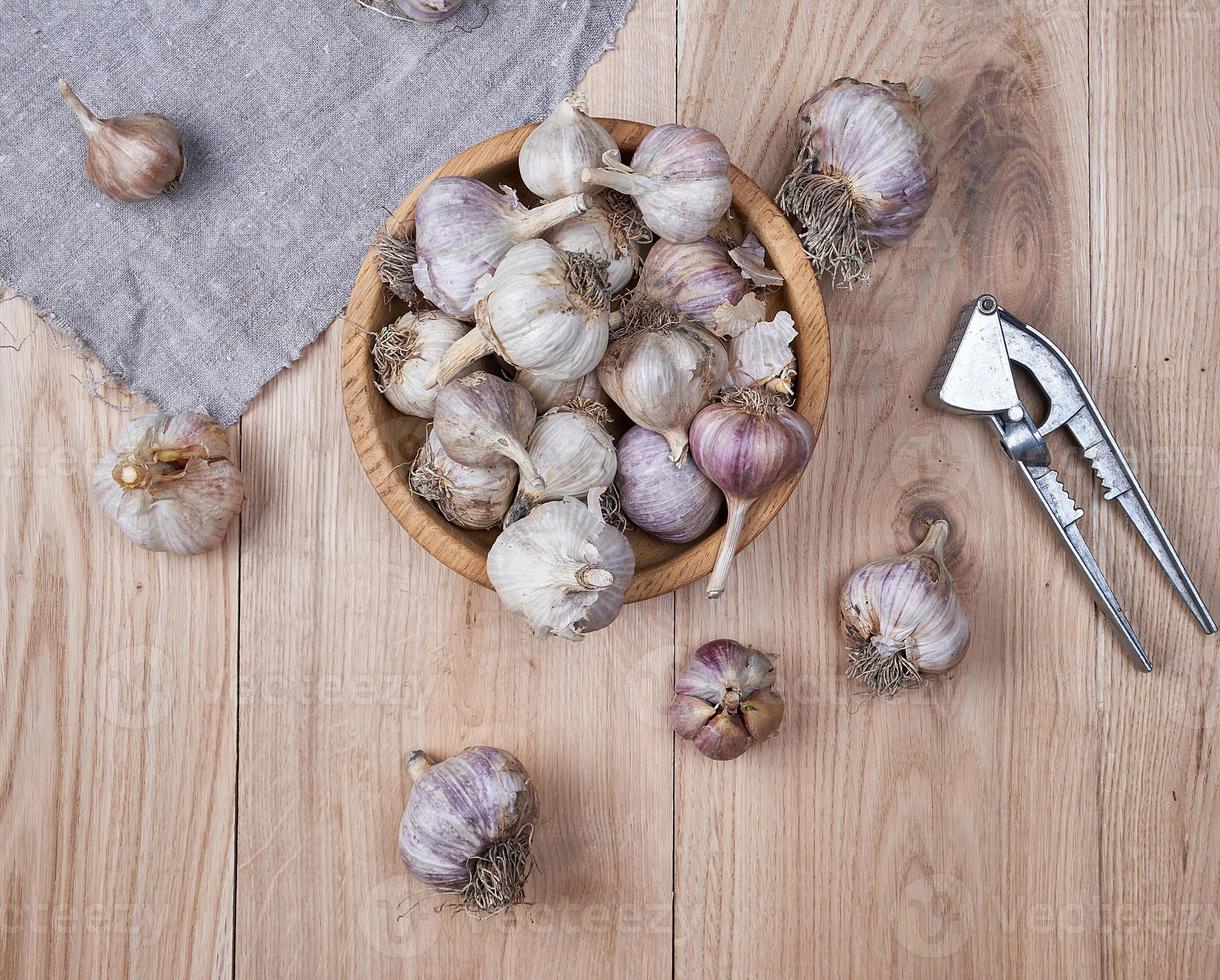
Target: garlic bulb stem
{"points": [[88, 120], [738, 511], [463, 351], [537, 220], [616, 180], [417, 764]]}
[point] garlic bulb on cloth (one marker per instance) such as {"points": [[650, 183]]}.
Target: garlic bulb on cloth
{"points": [[724, 700], [679, 179], [543, 310], [428, 11], [566, 143], [129, 158], [407, 352], [463, 229], [903, 618], [475, 497], [562, 568], [593, 232], [169, 484], [468, 827], [480, 419], [865, 173]]}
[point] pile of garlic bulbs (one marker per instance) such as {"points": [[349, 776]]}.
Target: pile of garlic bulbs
{"points": [[604, 333]]}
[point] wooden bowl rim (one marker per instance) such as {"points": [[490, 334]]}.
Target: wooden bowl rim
{"points": [[368, 309]]}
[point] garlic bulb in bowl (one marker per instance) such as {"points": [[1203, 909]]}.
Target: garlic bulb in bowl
{"points": [[554, 155], [695, 278], [168, 483], [670, 502], [596, 234], [475, 497], [480, 419], [406, 353], [562, 568], [551, 394]]}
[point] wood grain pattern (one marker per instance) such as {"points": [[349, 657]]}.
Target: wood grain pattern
{"points": [[387, 441]]}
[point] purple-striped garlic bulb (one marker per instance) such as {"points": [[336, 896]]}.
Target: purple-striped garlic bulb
{"points": [[695, 278], [747, 443], [468, 827], [480, 419], [903, 619], [670, 502], [463, 229], [865, 173], [679, 179], [725, 700]]}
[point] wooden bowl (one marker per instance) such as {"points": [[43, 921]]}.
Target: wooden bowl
{"points": [[387, 441]]}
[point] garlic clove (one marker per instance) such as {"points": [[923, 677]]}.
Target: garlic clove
{"points": [[556, 153], [762, 714], [688, 714], [129, 158], [723, 738]]}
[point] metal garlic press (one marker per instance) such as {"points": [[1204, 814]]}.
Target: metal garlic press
{"points": [[975, 377]]}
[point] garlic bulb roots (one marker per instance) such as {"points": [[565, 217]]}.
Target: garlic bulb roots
{"points": [[594, 233], [396, 256], [903, 618]]}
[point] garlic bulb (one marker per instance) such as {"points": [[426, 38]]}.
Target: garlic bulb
{"points": [[566, 143], [695, 278], [762, 357], [670, 502], [562, 568], [724, 700], [593, 232], [475, 497], [903, 618], [679, 178], [129, 158], [407, 352], [463, 229], [662, 375], [480, 418], [572, 453], [865, 173], [551, 394], [751, 258], [544, 311], [468, 827], [428, 11], [168, 483]]}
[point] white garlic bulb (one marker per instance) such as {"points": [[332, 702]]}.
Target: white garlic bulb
{"points": [[475, 497], [903, 618], [543, 310], [562, 568], [573, 454], [662, 375], [481, 418], [554, 155], [549, 394], [407, 352], [169, 484], [593, 232], [761, 356], [679, 178]]}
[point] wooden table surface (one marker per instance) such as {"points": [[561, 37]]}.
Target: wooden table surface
{"points": [[202, 758]]}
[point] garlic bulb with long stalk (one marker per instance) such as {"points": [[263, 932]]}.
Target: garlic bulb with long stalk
{"points": [[468, 827], [661, 375], [593, 232], [725, 700], [549, 394], [561, 148], [562, 568], [679, 178], [405, 354], [864, 176], [670, 502], [129, 158], [169, 483], [903, 618], [572, 453], [463, 229], [475, 497], [746, 443], [695, 278], [544, 310], [480, 418]]}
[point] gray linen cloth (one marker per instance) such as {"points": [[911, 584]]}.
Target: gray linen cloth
{"points": [[301, 122]]}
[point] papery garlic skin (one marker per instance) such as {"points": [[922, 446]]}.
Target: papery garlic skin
{"points": [[903, 618], [468, 827], [428, 11], [407, 352], [562, 568], [543, 310], [724, 700], [572, 453], [594, 233], [475, 497], [168, 483], [549, 394], [670, 502], [662, 375], [463, 229], [762, 356], [865, 173], [480, 418], [751, 258], [129, 158], [563, 145], [679, 178], [695, 278]]}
